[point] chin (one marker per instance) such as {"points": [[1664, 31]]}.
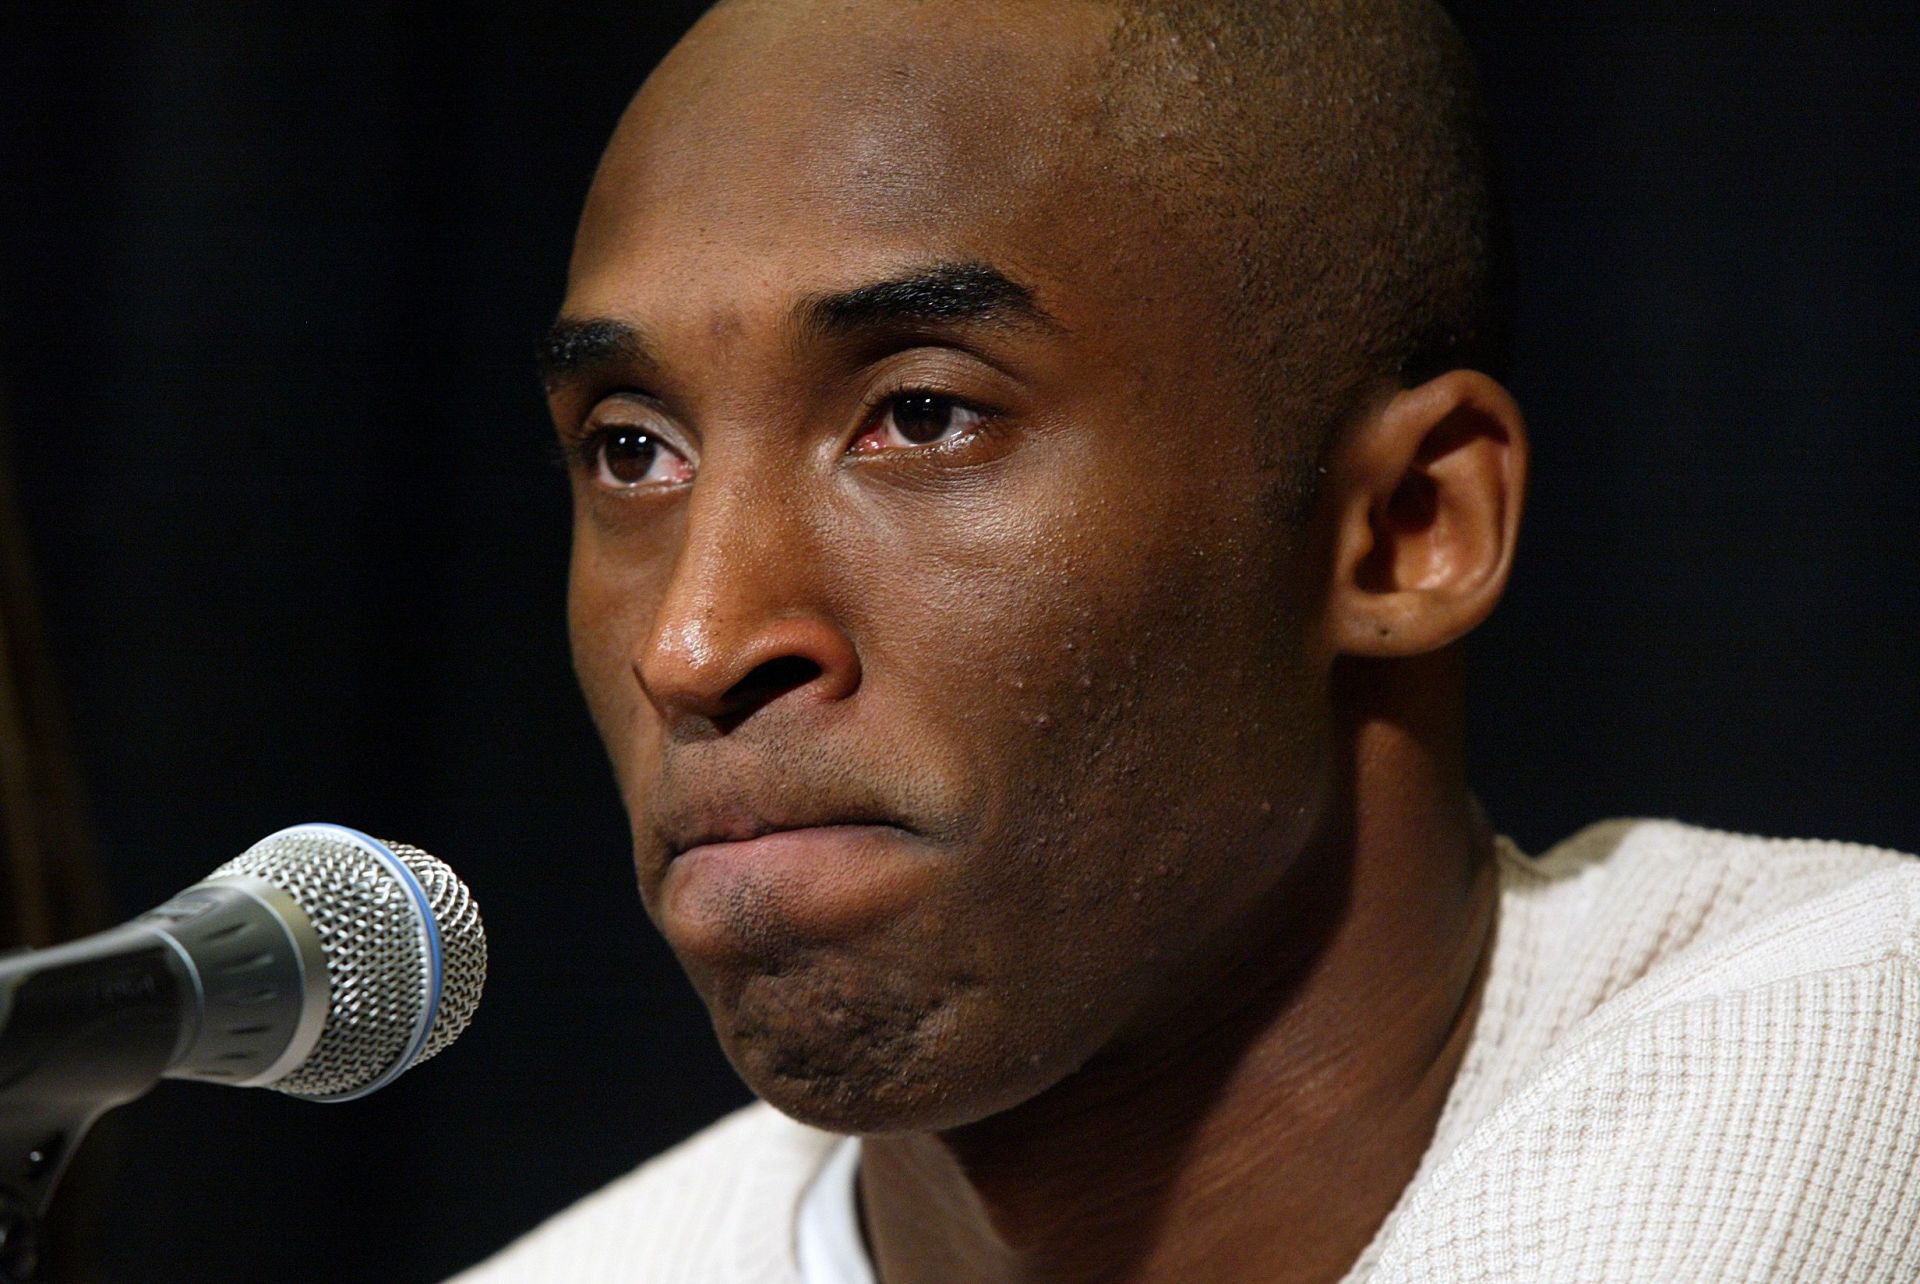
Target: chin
{"points": [[867, 1061]]}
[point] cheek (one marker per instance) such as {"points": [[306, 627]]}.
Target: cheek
{"points": [[1091, 605], [1123, 669]]}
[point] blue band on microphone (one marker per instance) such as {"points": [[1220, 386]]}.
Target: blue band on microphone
{"points": [[423, 1029]]}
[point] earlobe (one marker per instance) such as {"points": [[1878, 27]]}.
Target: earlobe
{"points": [[1430, 486]]}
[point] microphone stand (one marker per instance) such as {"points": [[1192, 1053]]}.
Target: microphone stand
{"points": [[19, 1241], [23, 1203], [36, 1140], [83, 1028]]}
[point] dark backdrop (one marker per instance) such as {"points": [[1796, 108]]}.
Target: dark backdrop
{"points": [[271, 275]]}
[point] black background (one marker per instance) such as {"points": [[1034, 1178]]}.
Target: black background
{"points": [[271, 276]]}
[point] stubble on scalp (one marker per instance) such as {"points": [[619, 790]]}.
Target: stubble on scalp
{"points": [[1329, 161]]}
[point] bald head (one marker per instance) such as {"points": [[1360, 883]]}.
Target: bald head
{"points": [[1330, 157]]}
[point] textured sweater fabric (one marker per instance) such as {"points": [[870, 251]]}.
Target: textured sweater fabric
{"points": [[1697, 1059]]}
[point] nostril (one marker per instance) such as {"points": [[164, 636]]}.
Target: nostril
{"points": [[765, 684], [772, 678]]}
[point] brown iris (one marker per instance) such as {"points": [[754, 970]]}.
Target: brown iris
{"points": [[628, 454]]}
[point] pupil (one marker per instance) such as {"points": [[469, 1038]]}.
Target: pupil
{"points": [[923, 418], [629, 454]]}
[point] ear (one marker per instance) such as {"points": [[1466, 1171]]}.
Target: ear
{"points": [[1429, 489]]}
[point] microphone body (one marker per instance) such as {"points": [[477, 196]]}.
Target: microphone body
{"points": [[226, 982]]}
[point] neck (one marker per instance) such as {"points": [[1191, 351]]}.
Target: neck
{"points": [[1272, 1134]]}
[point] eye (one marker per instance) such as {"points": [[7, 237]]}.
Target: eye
{"points": [[626, 458], [917, 419]]}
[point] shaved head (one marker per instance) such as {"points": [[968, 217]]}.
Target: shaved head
{"points": [[1330, 157]]}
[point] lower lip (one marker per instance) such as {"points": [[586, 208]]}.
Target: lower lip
{"points": [[808, 884]]}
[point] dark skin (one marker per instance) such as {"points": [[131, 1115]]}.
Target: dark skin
{"points": [[1023, 784]]}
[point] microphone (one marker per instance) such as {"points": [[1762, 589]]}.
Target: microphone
{"points": [[320, 962]]}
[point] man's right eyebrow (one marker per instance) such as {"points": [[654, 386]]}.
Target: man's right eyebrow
{"points": [[574, 346]]}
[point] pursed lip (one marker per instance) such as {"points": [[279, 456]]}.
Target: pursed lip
{"points": [[802, 842], [735, 890], [739, 830]]}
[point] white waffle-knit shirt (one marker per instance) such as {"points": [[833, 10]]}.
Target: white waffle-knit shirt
{"points": [[1697, 1058]]}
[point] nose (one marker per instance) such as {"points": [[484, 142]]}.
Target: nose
{"points": [[741, 625]]}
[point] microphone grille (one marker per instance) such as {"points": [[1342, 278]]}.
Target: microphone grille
{"points": [[406, 952]]}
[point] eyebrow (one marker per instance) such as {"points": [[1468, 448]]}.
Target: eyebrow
{"points": [[570, 347], [945, 294]]}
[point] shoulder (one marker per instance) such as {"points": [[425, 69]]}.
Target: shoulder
{"points": [[1603, 912], [1738, 1104], [1683, 883], [718, 1207]]}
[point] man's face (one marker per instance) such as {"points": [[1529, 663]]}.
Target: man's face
{"points": [[958, 656]]}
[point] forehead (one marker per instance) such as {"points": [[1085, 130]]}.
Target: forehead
{"points": [[801, 147]]}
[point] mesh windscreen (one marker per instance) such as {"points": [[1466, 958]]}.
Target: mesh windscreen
{"points": [[463, 945], [377, 967]]}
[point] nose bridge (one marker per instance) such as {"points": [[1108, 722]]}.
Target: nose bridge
{"points": [[723, 582], [742, 593]]}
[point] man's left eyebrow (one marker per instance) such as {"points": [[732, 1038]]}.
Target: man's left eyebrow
{"points": [[946, 294]]}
